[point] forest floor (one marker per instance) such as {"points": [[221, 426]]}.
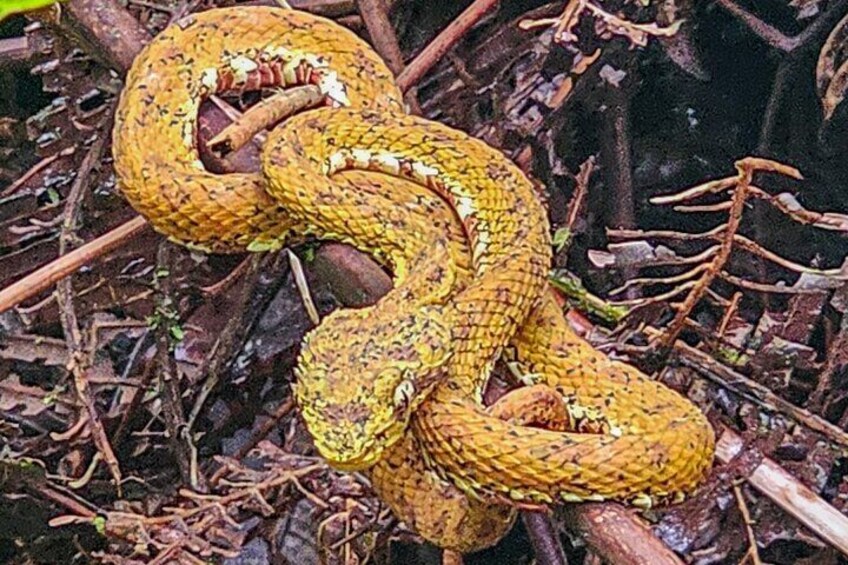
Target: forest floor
{"points": [[145, 408]]}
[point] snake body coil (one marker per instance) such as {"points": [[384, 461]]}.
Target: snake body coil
{"points": [[468, 243]]}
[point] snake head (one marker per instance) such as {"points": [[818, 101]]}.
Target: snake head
{"points": [[362, 373]]}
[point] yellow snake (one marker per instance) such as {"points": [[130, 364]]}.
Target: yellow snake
{"points": [[424, 352]]}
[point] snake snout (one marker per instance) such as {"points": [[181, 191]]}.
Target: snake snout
{"points": [[347, 441]]}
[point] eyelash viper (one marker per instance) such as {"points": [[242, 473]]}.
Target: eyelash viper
{"points": [[397, 387]]}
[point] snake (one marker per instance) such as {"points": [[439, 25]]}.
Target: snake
{"points": [[396, 388]]}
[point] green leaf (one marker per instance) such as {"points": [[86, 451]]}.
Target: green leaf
{"points": [[582, 299], [99, 523], [9, 7], [52, 193], [561, 237], [257, 246], [177, 332], [153, 321]]}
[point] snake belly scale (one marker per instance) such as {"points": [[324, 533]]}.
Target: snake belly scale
{"points": [[397, 387]]}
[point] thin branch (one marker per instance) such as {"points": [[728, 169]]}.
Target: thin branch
{"points": [[303, 288], [376, 18], [652, 281], [56, 270], [116, 34], [753, 391], [37, 168], [80, 361], [784, 490], [777, 39], [753, 553], [436, 49], [768, 33], [267, 427], [167, 372], [746, 169], [261, 115]]}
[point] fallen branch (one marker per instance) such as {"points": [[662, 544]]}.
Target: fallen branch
{"points": [[754, 392], [545, 538], [784, 490], [617, 535]]}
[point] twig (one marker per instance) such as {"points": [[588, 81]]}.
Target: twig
{"points": [[564, 24], [615, 157], [652, 281], [582, 63], [578, 201], [783, 79], [765, 288], [229, 280], [17, 389], [784, 490], [746, 172], [768, 33], [729, 313], [751, 390], [16, 52], [67, 500], [65, 265], [355, 278], [374, 15], [168, 374], [443, 43], [37, 168], [303, 287], [118, 36], [753, 553], [777, 39], [717, 234], [230, 340], [787, 70], [268, 111], [80, 361], [263, 430], [789, 205], [382, 33], [143, 344]]}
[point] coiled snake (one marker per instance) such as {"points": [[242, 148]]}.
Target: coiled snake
{"points": [[397, 387]]}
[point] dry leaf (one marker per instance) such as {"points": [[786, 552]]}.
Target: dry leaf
{"points": [[832, 69], [16, 397], [806, 8]]}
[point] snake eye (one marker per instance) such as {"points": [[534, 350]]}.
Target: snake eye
{"points": [[403, 394]]}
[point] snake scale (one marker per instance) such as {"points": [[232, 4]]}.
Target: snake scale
{"points": [[397, 388]]}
